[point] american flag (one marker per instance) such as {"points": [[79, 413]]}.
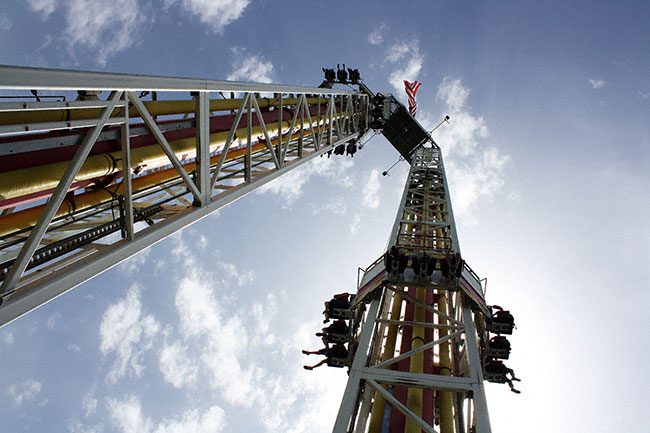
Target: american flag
{"points": [[411, 90]]}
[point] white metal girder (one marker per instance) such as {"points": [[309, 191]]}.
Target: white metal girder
{"points": [[419, 349], [168, 197], [24, 78], [202, 114], [418, 380]]}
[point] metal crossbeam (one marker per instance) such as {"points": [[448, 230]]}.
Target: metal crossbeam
{"points": [[418, 350]]}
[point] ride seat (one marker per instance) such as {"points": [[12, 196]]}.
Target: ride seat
{"points": [[498, 347], [340, 309], [501, 322], [495, 372]]}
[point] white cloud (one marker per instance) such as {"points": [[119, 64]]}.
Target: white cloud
{"points": [[224, 342], [644, 95], [74, 348], [371, 191], [250, 67], [106, 28], [460, 137], [596, 84], [8, 338], [475, 170], [44, 7], [176, 366], [290, 185], [263, 314], [127, 415], [454, 94], [134, 263], [196, 306], [76, 426], [5, 22], [215, 13], [480, 178], [52, 319], [237, 356], [203, 242], [127, 332], [212, 421], [180, 249], [336, 205], [407, 55], [376, 37], [89, 403], [221, 339], [228, 272], [231, 272], [354, 225], [26, 392], [397, 51]]}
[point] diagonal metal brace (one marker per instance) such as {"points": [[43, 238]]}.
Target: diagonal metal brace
{"points": [[424, 305], [35, 236], [164, 144], [269, 145], [231, 137], [400, 406], [418, 350]]}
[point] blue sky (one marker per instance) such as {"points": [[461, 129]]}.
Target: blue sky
{"points": [[547, 156]]}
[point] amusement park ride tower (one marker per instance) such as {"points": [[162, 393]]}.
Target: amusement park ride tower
{"points": [[96, 167]]}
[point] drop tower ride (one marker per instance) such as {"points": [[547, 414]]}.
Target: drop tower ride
{"points": [[96, 167]]}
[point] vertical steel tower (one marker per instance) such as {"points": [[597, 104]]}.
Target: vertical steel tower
{"points": [[418, 364]]}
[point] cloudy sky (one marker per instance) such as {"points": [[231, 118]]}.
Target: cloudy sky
{"points": [[547, 156]]}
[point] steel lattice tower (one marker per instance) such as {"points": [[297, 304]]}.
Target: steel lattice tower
{"points": [[417, 363]]}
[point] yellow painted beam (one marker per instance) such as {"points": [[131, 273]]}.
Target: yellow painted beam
{"points": [[446, 400], [28, 217], [414, 398], [31, 180], [379, 405]]}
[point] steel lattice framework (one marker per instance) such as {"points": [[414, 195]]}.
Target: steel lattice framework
{"points": [[85, 184], [417, 363], [89, 181]]}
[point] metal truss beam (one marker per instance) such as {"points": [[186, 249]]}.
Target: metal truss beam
{"points": [[36, 234], [23, 78], [82, 233]]}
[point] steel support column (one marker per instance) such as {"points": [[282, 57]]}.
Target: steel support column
{"points": [[424, 232]]}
